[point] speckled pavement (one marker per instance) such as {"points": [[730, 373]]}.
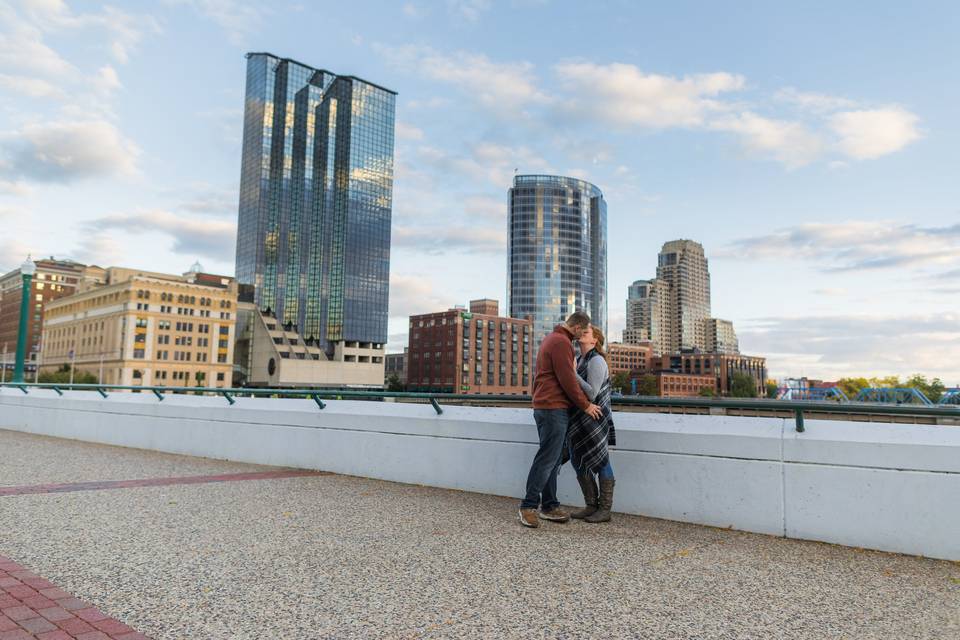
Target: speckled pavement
{"points": [[341, 557]]}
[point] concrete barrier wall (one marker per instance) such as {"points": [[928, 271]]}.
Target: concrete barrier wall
{"points": [[878, 486]]}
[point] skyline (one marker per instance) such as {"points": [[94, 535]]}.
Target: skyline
{"points": [[730, 137]]}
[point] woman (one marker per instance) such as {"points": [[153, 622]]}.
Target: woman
{"points": [[588, 437]]}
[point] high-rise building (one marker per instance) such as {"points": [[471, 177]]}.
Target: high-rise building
{"points": [[142, 328], [684, 277], [642, 312], [316, 190], [556, 251], [54, 279], [470, 352], [721, 337]]}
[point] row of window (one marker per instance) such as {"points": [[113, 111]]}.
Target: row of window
{"points": [[144, 294]]}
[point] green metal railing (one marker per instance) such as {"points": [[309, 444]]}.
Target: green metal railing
{"points": [[795, 407]]}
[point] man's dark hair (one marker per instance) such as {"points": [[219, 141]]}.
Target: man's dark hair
{"points": [[578, 319]]}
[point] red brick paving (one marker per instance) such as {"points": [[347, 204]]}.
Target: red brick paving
{"points": [[154, 482], [52, 613]]}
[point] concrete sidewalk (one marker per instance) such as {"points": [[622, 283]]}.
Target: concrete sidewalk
{"points": [[332, 556]]}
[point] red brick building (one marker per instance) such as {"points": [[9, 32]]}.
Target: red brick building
{"points": [[475, 351], [53, 279], [634, 359], [720, 366], [681, 385]]}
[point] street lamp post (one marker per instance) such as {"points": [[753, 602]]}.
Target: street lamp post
{"points": [[27, 269]]}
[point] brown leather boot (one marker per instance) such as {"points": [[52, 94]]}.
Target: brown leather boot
{"points": [[590, 493], [605, 500]]}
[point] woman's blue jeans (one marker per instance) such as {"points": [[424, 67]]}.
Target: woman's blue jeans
{"points": [[606, 473]]}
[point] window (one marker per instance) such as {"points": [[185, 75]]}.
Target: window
{"points": [[138, 353], [219, 377]]}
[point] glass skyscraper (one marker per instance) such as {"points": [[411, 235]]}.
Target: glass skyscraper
{"points": [[316, 195], [556, 251]]}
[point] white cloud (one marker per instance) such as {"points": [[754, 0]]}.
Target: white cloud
{"points": [[791, 143], [29, 86], [237, 18], [623, 95], [196, 237], [412, 294], [830, 347], [485, 207], [98, 249], [412, 10], [815, 102], [855, 245], [872, 133], [61, 151], [107, 80], [406, 131], [22, 50], [13, 252], [468, 9], [488, 162], [125, 30], [449, 239], [502, 87]]}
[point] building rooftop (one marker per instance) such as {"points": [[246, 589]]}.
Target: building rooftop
{"points": [[203, 548]]}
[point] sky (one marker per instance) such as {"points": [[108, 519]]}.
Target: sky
{"points": [[810, 147]]}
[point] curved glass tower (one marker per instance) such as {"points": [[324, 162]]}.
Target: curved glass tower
{"points": [[556, 251]]}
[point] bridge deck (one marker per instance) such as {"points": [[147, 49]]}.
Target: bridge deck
{"points": [[239, 551]]}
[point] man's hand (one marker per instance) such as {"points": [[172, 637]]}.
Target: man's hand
{"points": [[593, 411]]}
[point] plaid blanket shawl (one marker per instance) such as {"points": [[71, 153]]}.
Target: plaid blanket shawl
{"points": [[588, 437]]}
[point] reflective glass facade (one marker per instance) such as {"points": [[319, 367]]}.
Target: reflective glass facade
{"points": [[316, 197], [556, 251]]}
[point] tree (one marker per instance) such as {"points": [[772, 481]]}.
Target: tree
{"points": [[932, 389], [62, 376], [772, 389], [743, 386], [707, 392], [621, 381], [852, 386], [393, 383], [647, 385]]}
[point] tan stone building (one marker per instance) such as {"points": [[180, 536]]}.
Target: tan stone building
{"points": [[634, 359], [721, 337], [682, 385], [272, 355], [144, 328], [684, 297], [643, 310]]}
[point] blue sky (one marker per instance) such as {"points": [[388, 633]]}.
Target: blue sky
{"points": [[811, 148]]}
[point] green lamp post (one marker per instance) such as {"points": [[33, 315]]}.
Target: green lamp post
{"points": [[27, 269]]}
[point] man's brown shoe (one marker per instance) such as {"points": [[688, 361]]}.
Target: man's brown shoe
{"points": [[555, 515], [529, 518]]}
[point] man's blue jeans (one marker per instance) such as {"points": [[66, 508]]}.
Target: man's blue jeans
{"points": [[542, 479]]}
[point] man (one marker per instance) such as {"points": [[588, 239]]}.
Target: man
{"points": [[555, 391]]}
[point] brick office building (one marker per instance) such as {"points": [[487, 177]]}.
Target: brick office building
{"points": [[475, 351], [54, 279], [680, 385], [720, 366], [634, 359]]}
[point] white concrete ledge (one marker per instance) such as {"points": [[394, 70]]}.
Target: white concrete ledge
{"points": [[879, 486]]}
